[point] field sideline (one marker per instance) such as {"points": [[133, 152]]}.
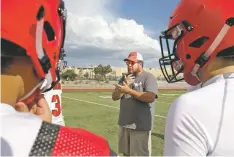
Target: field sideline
{"points": [[95, 111]]}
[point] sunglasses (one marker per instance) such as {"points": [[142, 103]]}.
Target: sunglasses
{"points": [[130, 62]]}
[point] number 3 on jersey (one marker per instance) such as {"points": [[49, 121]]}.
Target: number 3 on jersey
{"points": [[56, 112]]}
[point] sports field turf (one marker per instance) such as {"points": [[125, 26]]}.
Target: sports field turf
{"points": [[97, 112]]}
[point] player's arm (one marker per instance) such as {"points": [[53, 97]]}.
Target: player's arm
{"points": [[56, 140], [184, 135], [150, 90]]}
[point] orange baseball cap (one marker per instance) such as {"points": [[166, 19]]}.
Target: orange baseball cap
{"points": [[134, 56]]}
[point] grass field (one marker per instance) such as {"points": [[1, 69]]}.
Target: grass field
{"points": [[97, 112]]}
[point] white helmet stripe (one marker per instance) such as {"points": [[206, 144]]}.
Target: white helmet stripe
{"points": [[39, 48], [39, 31], [213, 46], [218, 40]]}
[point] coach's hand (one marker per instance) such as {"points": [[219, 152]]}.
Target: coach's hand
{"points": [[124, 89], [40, 108], [129, 79]]}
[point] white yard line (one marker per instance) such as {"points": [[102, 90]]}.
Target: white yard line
{"points": [[90, 102], [105, 96]]}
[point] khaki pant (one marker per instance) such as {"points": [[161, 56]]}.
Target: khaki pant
{"points": [[134, 143]]}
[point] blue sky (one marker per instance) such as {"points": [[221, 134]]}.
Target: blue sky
{"points": [[153, 14], [105, 31]]}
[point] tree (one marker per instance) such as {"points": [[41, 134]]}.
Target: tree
{"points": [[101, 70], [69, 75], [81, 73], [86, 75]]}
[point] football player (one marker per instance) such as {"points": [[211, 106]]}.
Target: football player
{"points": [[199, 121], [32, 39]]}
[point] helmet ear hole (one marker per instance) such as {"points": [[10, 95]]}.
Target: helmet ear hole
{"points": [[49, 31], [199, 42]]}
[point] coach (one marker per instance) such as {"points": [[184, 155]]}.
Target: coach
{"points": [[137, 92]]}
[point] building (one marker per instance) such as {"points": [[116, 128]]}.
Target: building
{"points": [[116, 71]]}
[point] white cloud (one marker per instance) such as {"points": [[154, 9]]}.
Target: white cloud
{"points": [[92, 27]]}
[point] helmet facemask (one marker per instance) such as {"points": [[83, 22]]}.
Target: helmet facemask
{"points": [[170, 63]]}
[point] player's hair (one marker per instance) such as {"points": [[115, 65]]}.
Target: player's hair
{"points": [[6, 61], [227, 54]]}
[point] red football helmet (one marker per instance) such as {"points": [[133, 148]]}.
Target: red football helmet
{"points": [[35, 28], [201, 30]]}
